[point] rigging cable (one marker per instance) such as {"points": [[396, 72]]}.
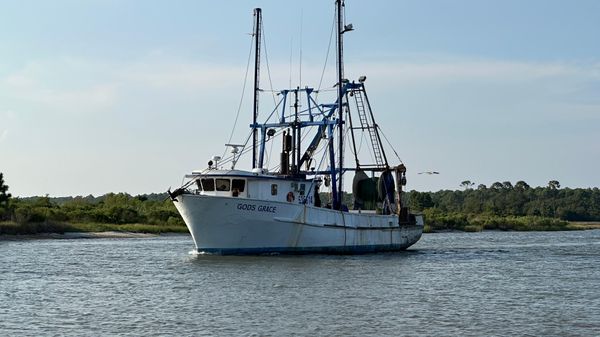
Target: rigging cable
{"points": [[327, 55], [270, 153], [245, 149], [390, 144], [325, 154], [291, 57], [241, 98], [267, 60]]}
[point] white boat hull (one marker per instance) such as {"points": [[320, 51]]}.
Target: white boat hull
{"points": [[225, 225]]}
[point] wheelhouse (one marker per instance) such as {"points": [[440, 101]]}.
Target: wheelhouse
{"points": [[221, 186], [250, 186]]}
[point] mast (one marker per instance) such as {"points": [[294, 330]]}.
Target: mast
{"points": [[295, 137], [341, 29], [340, 73], [257, 31]]}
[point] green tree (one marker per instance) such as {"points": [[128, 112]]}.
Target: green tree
{"points": [[521, 185], [553, 185], [467, 184], [497, 186], [4, 196], [420, 200]]}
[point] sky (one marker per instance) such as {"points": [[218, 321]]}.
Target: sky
{"points": [[128, 96]]}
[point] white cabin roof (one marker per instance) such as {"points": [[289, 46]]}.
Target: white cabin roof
{"points": [[241, 173], [207, 172]]}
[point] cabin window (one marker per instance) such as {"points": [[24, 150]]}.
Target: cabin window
{"points": [[208, 184], [223, 185], [302, 189], [273, 189], [199, 184], [238, 184]]}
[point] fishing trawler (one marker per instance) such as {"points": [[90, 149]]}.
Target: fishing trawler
{"points": [[297, 206]]}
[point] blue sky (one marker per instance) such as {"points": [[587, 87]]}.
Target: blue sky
{"points": [[128, 96]]}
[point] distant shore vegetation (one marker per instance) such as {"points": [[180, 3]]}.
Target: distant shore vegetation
{"points": [[502, 206], [119, 208], [153, 213]]}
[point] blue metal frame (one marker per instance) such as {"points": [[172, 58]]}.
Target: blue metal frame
{"points": [[310, 117]]}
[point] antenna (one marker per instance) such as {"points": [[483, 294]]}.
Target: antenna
{"points": [[300, 56], [235, 151]]}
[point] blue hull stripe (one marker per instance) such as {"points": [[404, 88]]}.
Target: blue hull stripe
{"points": [[304, 250]]}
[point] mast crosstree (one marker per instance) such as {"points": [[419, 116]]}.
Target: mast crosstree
{"points": [[330, 120]]}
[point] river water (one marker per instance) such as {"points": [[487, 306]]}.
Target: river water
{"points": [[448, 284]]}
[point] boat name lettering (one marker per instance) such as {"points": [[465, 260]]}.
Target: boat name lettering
{"points": [[270, 209], [246, 207], [260, 208]]}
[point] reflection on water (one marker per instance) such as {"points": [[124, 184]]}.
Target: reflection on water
{"points": [[491, 283]]}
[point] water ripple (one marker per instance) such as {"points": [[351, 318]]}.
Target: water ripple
{"points": [[459, 284]]}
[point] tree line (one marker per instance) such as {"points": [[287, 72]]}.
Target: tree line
{"points": [[119, 208], [111, 208], [506, 199], [503, 205]]}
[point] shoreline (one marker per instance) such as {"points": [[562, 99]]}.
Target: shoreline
{"points": [[85, 235], [516, 227], [140, 235], [583, 225]]}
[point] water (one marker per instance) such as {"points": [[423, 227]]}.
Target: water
{"points": [[467, 284]]}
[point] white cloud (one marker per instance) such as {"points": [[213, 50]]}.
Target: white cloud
{"points": [[6, 118], [79, 86], [73, 79], [92, 98], [19, 80], [493, 70], [181, 76], [8, 115], [57, 86]]}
